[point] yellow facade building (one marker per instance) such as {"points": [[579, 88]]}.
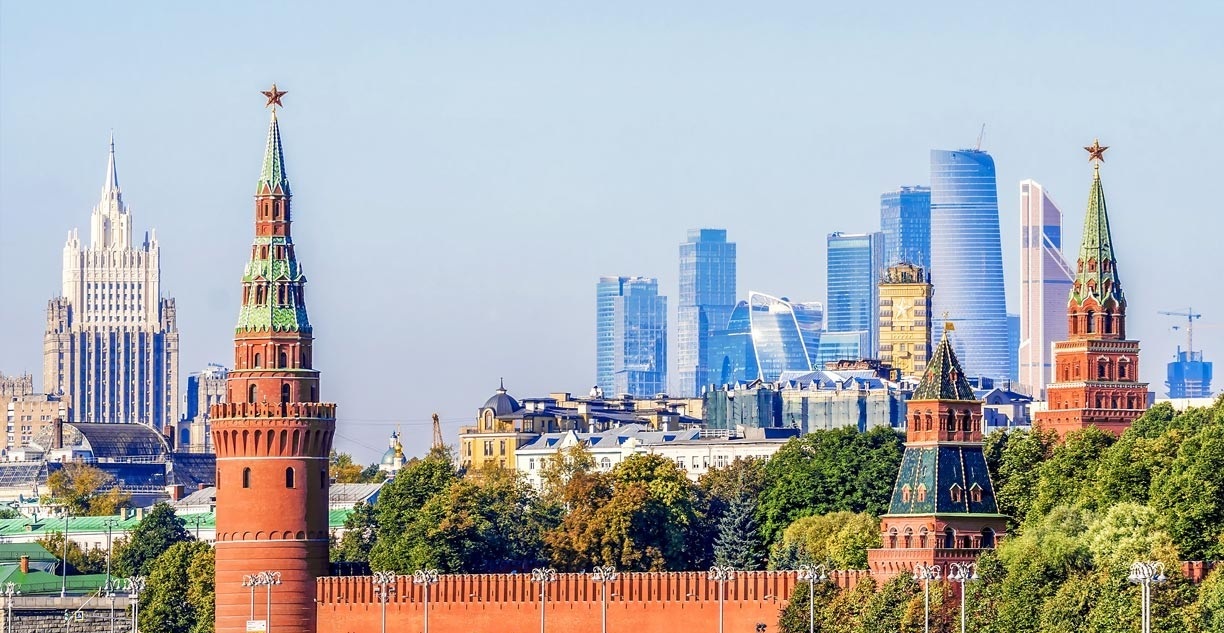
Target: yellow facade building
{"points": [[905, 319]]}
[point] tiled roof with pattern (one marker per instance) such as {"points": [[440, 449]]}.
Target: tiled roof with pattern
{"points": [[944, 379]]}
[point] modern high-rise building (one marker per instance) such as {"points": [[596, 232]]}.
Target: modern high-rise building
{"points": [[967, 260], [905, 319], [840, 346], [855, 263], [905, 221], [707, 296], [1013, 346], [630, 336], [731, 356], [1189, 376], [204, 389], [273, 434], [1096, 370], [777, 338], [112, 346], [810, 317], [1045, 284]]}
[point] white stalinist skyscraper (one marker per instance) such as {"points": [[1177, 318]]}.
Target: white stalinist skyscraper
{"points": [[111, 346]]}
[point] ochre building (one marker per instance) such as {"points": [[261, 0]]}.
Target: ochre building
{"points": [[905, 319]]}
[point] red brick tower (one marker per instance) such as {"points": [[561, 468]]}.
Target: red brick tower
{"points": [[943, 506], [1096, 371], [273, 436]]}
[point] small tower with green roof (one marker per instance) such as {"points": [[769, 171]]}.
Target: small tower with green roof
{"points": [[943, 506]]}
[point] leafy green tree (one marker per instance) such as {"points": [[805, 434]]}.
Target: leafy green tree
{"points": [[716, 491], [486, 525], [343, 470], [91, 561], [839, 540], [86, 490], [372, 474], [1067, 476], [829, 471], [360, 534], [794, 617], [1020, 454], [738, 544], [1190, 495], [650, 513], [886, 609], [1206, 615], [201, 588], [10, 513], [575, 543], [156, 532], [399, 505], [167, 605]]}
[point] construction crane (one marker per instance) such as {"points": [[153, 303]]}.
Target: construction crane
{"points": [[1190, 315], [437, 433]]}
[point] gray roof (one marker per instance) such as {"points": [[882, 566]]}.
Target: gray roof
{"points": [[501, 403], [117, 441]]}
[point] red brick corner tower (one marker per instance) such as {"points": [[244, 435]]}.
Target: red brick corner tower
{"points": [[273, 436], [1096, 371], [943, 506]]}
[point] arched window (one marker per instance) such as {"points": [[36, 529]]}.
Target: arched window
{"points": [[906, 492], [1109, 319], [290, 477], [951, 420], [284, 392], [975, 493], [929, 423], [1091, 321], [251, 393], [909, 538], [955, 493], [921, 493], [892, 538], [1101, 370], [922, 538], [949, 539], [605, 463], [988, 537], [246, 477], [284, 360], [965, 420], [258, 360]]}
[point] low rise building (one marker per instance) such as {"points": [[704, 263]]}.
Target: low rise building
{"points": [[29, 416]]}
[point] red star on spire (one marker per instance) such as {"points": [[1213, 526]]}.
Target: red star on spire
{"points": [[274, 97]]}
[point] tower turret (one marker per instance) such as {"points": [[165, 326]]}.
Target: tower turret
{"points": [[273, 435], [1096, 370]]}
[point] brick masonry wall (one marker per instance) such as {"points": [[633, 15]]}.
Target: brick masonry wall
{"points": [[46, 615], [510, 603]]}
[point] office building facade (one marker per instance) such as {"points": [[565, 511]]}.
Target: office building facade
{"points": [[905, 319], [855, 263], [967, 259], [630, 336], [111, 346], [1045, 284], [905, 221], [707, 297]]}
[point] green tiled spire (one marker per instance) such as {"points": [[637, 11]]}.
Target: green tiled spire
{"points": [[944, 379], [1097, 270], [274, 284], [273, 173]]}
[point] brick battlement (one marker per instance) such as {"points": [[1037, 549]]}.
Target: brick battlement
{"points": [[510, 603], [241, 410]]}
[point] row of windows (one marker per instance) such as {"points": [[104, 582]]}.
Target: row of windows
{"points": [[956, 492], [951, 539], [290, 478], [926, 423]]}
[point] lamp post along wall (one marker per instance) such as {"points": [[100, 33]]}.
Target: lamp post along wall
{"points": [[603, 576], [426, 578], [1145, 574], [721, 574], [927, 573], [962, 573], [384, 586], [543, 576], [811, 574]]}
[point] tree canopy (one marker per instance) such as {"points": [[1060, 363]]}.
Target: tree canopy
{"points": [[153, 535]]}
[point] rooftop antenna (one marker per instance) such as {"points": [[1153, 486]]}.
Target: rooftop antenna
{"points": [[980, 135]]}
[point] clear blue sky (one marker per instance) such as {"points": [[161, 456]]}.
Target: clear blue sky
{"points": [[463, 172]]}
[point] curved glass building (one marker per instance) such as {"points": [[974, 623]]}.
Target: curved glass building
{"points": [[764, 337], [967, 260], [776, 335]]}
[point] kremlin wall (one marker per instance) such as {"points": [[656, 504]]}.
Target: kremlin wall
{"points": [[510, 603]]}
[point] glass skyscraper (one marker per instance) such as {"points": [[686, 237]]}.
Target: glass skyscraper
{"points": [[707, 296], [630, 336], [856, 261], [765, 337], [1045, 285], [967, 260], [905, 221]]}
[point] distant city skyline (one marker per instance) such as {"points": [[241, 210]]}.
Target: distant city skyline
{"points": [[704, 304], [1045, 286], [456, 216]]}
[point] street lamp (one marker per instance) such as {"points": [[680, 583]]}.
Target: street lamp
{"points": [[110, 583], [812, 573], [135, 585], [927, 573], [425, 578], [10, 590], [962, 573], [543, 575], [64, 567], [721, 573], [384, 586], [603, 576], [252, 581], [1145, 574], [268, 579]]}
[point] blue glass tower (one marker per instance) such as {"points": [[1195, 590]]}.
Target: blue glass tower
{"points": [[967, 260], [630, 336], [707, 297], [730, 356], [905, 221], [765, 337], [856, 261]]}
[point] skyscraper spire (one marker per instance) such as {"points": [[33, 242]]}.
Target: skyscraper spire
{"points": [[110, 187]]}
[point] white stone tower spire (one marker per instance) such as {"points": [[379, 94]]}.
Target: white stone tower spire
{"points": [[110, 225]]}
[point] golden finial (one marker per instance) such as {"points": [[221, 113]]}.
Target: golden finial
{"points": [[1096, 153], [274, 97]]}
